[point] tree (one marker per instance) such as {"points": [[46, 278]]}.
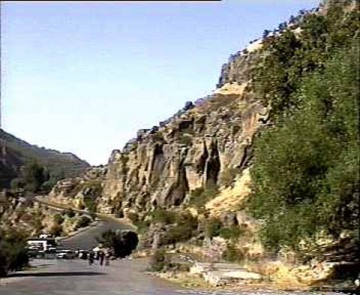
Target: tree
{"points": [[266, 33], [306, 170], [13, 253], [32, 178], [122, 242]]}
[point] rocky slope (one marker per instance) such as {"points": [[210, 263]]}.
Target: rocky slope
{"points": [[200, 146], [14, 153], [206, 146]]}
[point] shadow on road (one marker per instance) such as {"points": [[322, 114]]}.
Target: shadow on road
{"points": [[58, 274]]}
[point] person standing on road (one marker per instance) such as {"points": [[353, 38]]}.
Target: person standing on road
{"points": [[91, 258], [101, 257], [107, 258]]}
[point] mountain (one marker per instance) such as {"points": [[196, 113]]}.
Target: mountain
{"points": [[14, 153], [267, 164]]}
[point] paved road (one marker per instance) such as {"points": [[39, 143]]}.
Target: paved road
{"points": [[65, 277], [122, 277], [76, 277], [87, 239]]}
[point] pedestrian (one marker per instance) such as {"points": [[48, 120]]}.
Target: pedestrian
{"points": [[101, 257], [91, 258], [107, 259]]}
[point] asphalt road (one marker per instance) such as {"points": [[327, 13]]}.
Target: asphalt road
{"points": [[76, 277], [122, 277], [65, 277], [87, 239]]}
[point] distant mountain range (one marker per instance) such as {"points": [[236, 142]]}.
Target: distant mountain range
{"points": [[15, 152]]}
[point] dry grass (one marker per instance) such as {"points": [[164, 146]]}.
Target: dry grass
{"points": [[231, 197]]}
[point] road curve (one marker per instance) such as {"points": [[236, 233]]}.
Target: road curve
{"points": [[86, 239]]}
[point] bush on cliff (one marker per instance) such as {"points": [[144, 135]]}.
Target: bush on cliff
{"points": [[184, 228], [200, 196]]}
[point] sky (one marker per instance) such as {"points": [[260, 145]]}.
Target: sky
{"points": [[84, 77]]}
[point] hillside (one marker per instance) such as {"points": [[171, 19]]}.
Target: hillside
{"points": [[16, 152], [276, 144]]}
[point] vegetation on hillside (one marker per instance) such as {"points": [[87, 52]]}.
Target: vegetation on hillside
{"points": [[13, 253], [306, 167], [34, 178], [16, 153]]}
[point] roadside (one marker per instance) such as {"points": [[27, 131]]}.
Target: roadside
{"points": [[122, 221]]}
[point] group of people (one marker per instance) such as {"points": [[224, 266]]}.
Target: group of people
{"points": [[101, 256]]}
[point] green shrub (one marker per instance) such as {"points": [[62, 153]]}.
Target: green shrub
{"points": [[232, 254], [213, 227], [58, 218], [199, 197], [159, 260], [83, 221], [163, 216], [69, 213], [158, 136], [231, 233], [184, 229], [305, 176], [228, 176], [134, 218], [185, 139], [13, 252], [90, 204]]}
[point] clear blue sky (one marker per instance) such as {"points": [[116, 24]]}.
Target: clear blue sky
{"points": [[84, 77]]}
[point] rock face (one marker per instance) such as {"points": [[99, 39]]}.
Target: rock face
{"points": [[199, 146], [193, 150], [239, 66]]}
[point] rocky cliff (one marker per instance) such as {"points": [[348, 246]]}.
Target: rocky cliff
{"points": [[186, 180], [195, 149], [201, 146]]}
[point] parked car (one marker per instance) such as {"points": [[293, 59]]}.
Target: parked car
{"points": [[66, 254], [83, 254]]}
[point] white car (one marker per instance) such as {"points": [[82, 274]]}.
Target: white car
{"points": [[66, 254]]}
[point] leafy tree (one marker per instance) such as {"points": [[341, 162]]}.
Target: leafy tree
{"points": [[13, 253], [34, 176], [288, 59], [306, 170], [122, 243]]}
